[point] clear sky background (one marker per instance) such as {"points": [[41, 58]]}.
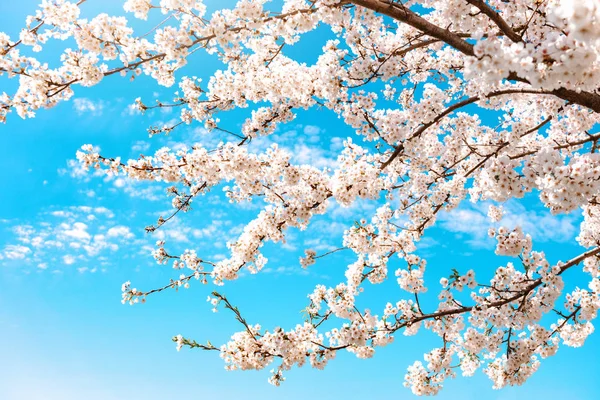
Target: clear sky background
{"points": [[68, 241]]}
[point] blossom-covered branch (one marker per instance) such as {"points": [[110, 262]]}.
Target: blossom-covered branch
{"points": [[444, 101]]}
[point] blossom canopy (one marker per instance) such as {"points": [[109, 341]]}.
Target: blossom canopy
{"points": [[447, 101]]}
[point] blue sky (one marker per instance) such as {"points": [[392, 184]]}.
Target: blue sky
{"points": [[68, 241]]}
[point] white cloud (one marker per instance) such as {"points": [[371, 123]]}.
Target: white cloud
{"points": [[312, 130], [82, 270], [61, 213], [105, 211], [83, 105], [146, 192], [311, 155], [140, 146], [131, 110], [119, 231], [304, 149], [76, 231], [361, 208], [43, 243], [472, 220], [543, 226], [283, 270], [336, 144], [76, 170], [15, 252], [319, 244], [68, 259]]}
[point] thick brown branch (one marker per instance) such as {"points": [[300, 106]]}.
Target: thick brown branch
{"points": [[496, 18], [399, 12]]}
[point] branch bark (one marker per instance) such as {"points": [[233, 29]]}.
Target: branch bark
{"points": [[403, 14], [497, 19], [400, 13]]}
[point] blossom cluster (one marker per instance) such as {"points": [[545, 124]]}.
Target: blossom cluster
{"points": [[414, 88]]}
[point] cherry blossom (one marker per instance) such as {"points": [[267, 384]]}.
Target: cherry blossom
{"points": [[414, 81]]}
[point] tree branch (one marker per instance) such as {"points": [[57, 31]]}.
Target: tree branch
{"points": [[403, 14], [497, 19]]}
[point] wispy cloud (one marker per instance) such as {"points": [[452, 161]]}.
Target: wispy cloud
{"points": [[15, 252], [140, 146], [73, 235], [472, 221], [83, 105], [75, 169], [212, 235], [119, 231], [285, 270], [304, 143], [131, 110]]}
